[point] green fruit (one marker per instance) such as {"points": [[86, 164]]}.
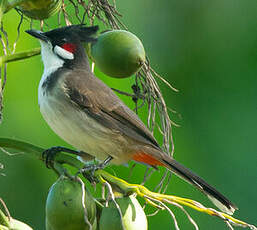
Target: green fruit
{"points": [[64, 209], [12, 224], [40, 9], [118, 53], [18, 225], [2, 227], [133, 216], [48, 227]]}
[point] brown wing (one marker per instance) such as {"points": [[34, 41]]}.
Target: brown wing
{"points": [[97, 100]]}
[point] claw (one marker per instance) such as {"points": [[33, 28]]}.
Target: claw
{"points": [[49, 155], [89, 175], [88, 171]]}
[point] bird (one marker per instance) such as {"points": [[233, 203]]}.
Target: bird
{"points": [[88, 115]]}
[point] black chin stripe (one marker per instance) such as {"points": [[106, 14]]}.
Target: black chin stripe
{"points": [[51, 80]]}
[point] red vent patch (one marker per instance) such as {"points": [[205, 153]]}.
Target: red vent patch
{"points": [[147, 159]]}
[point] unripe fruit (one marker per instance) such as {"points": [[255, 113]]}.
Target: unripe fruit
{"points": [[118, 53], [133, 216], [64, 209], [18, 225], [2, 227], [40, 9], [11, 223]]}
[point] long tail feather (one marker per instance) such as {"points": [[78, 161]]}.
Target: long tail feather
{"points": [[216, 197]]}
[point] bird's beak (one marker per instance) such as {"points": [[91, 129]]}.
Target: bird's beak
{"points": [[38, 34]]}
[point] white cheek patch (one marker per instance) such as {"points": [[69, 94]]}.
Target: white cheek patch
{"points": [[63, 53]]}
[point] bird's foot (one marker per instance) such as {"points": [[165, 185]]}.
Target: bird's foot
{"points": [[88, 171], [49, 154]]}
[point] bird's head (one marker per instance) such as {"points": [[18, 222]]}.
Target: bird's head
{"points": [[64, 45]]}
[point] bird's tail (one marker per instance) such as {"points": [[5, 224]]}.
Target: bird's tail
{"points": [[216, 197]]}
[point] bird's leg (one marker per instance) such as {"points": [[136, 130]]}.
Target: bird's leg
{"points": [[95, 167], [89, 170], [49, 154]]}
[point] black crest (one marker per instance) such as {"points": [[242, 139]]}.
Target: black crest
{"points": [[79, 32]]}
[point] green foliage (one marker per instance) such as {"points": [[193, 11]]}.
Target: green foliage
{"points": [[206, 50]]}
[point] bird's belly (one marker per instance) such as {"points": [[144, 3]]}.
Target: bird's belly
{"points": [[83, 132]]}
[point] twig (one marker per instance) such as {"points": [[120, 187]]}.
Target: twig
{"points": [[8, 153], [65, 14], [76, 10], [5, 208], [18, 34], [5, 221], [169, 211], [112, 197], [83, 197], [148, 173], [36, 152], [187, 214], [19, 56]]}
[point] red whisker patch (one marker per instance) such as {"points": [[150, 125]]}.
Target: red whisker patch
{"points": [[69, 47], [146, 158]]}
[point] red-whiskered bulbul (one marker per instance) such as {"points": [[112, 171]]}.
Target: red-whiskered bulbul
{"points": [[86, 113]]}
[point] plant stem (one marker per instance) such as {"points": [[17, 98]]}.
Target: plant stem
{"points": [[124, 186], [37, 152], [19, 56], [3, 6], [3, 219]]}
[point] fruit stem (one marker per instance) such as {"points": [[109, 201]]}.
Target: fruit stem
{"points": [[151, 197], [3, 219], [19, 56]]}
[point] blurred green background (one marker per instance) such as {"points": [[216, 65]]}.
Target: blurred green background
{"points": [[207, 50]]}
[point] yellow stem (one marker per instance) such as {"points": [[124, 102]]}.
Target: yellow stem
{"points": [[144, 193]]}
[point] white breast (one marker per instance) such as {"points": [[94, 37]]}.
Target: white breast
{"points": [[78, 129]]}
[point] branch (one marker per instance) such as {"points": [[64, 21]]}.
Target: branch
{"points": [[19, 56], [4, 221], [126, 188], [146, 194], [37, 152]]}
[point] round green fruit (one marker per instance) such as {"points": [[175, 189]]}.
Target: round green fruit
{"points": [[40, 9], [118, 53], [2, 227], [7, 223], [133, 216], [64, 209], [18, 225]]}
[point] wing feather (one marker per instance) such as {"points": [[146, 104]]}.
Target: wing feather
{"points": [[97, 100]]}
